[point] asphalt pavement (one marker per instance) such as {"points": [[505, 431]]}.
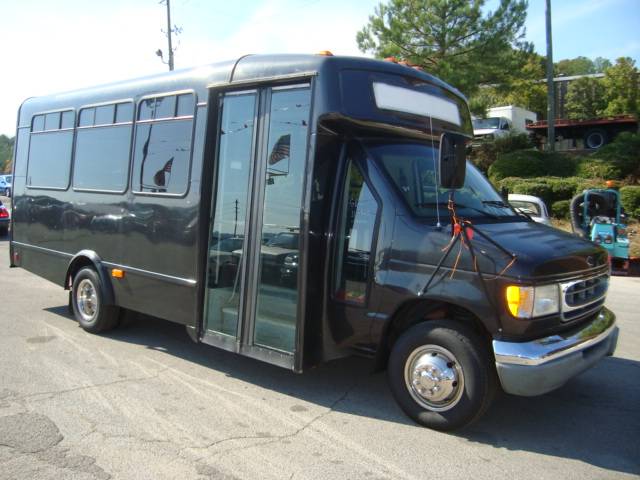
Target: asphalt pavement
{"points": [[144, 402]]}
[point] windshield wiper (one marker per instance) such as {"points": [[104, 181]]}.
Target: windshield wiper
{"points": [[459, 205], [501, 204], [495, 203]]}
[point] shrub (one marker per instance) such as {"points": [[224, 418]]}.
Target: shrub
{"points": [[532, 163], [549, 189], [560, 209], [630, 198], [623, 154], [590, 167]]}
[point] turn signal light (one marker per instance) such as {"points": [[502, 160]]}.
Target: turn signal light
{"points": [[326, 53], [117, 273]]}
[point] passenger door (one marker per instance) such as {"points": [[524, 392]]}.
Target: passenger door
{"points": [[253, 303]]}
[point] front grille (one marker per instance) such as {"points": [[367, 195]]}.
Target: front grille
{"points": [[584, 296]]}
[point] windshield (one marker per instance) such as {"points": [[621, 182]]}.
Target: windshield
{"points": [[411, 167], [480, 123], [529, 208]]}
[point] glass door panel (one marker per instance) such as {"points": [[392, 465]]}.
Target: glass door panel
{"points": [[284, 172], [229, 222]]}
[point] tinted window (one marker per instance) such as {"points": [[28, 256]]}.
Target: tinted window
{"points": [[124, 112], [355, 238], [50, 159], [38, 123], [52, 121], [67, 119], [165, 107], [285, 163], [146, 109], [185, 105], [87, 115], [102, 158], [104, 115], [161, 157]]}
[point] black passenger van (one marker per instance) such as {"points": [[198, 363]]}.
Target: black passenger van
{"points": [[300, 208]]}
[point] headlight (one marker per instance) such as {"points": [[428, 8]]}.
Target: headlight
{"points": [[529, 302]]}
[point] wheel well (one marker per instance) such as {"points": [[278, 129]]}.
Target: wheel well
{"points": [[75, 266], [414, 312]]}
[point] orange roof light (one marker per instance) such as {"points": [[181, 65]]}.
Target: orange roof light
{"points": [[326, 53]]}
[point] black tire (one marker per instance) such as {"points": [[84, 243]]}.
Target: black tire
{"points": [[87, 303], [473, 389], [595, 138], [4, 231]]}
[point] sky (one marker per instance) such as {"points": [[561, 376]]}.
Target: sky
{"points": [[53, 46]]}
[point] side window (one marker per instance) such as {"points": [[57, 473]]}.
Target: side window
{"points": [[162, 151], [50, 147], [102, 148], [359, 210]]}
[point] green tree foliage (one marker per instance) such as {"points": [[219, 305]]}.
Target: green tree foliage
{"points": [[574, 66], [484, 154], [6, 152], [453, 39], [623, 155], [532, 163], [621, 87], [585, 98], [524, 89], [601, 64]]}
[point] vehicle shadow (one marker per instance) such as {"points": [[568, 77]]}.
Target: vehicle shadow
{"points": [[595, 418]]}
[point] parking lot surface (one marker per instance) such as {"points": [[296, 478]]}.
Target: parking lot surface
{"points": [[144, 402]]}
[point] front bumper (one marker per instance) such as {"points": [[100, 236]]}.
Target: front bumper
{"points": [[539, 366]]}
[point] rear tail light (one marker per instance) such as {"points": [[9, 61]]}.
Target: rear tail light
{"points": [[608, 239], [4, 213], [598, 240]]}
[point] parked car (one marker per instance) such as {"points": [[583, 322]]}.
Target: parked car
{"points": [[4, 220], [532, 206], [5, 185]]}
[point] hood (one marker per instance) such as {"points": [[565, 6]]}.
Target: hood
{"points": [[542, 251]]}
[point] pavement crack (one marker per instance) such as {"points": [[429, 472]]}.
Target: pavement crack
{"points": [[89, 387]]}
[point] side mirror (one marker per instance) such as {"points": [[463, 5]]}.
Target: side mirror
{"points": [[453, 160], [504, 193]]}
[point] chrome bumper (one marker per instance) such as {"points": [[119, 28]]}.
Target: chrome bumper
{"points": [[539, 366]]}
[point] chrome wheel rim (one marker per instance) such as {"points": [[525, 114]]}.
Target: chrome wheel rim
{"points": [[434, 378], [86, 300]]}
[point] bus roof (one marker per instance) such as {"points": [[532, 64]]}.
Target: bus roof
{"points": [[245, 69]]}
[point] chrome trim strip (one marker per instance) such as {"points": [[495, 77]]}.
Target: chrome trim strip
{"points": [[543, 350], [43, 249], [188, 282]]}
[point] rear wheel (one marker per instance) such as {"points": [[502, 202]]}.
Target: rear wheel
{"points": [[87, 301], [595, 138], [440, 375]]}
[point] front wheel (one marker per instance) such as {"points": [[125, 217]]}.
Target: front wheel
{"points": [[440, 375]]}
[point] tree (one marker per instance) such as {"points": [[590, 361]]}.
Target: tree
{"points": [[585, 98], [453, 39], [6, 152], [601, 64], [574, 66], [621, 87]]}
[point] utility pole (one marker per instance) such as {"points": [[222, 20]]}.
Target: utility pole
{"points": [[169, 33], [235, 224], [551, 100]]}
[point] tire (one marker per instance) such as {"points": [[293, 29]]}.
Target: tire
{"points": [[455, 353], [4, 231], [87, 303], [595, 139]]}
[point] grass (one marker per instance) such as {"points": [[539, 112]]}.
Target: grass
{"points": [[633, 231]]}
